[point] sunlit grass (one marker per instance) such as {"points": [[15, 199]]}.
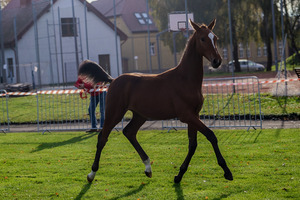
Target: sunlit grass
{"points": [[265, 165]]}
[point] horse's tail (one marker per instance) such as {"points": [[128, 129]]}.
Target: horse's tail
{"points": [[93, 73]]}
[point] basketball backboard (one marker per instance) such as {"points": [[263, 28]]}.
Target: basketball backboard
{"points": [[177, 21]]}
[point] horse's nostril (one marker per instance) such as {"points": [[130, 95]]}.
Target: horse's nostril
{"points": [[216, 62]]}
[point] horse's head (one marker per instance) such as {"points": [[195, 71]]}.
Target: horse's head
{"points": [[206, 43]]}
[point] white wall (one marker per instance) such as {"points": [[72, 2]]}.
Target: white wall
{"points": [[101, 40]]}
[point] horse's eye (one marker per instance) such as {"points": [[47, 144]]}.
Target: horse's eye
{"points": [[202, 39]]}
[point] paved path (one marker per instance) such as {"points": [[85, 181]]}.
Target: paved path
{"points": [[157, 125]]}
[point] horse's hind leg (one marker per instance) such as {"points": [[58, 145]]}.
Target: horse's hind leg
{"points": [[130, 132], [192, 133], [102, 139], [110, 121]]}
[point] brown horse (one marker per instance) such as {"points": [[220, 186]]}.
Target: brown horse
{"points": [[176, 93]]}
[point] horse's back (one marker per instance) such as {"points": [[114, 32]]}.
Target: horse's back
{"points": [[148, 95]]}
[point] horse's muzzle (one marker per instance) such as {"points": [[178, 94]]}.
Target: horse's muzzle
{"points": [[216, 63]]}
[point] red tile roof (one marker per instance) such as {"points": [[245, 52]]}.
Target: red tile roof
{"points": [[126, 9]]}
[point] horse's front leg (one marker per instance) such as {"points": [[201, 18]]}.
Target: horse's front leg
{"points": [[192, 133], [102, 139]]}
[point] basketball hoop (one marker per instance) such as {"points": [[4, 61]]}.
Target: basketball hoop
{"points": [[178, 20]]}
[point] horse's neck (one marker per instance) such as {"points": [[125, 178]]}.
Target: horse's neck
{"points": [[191, 64]]}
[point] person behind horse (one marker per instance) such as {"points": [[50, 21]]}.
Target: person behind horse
{"points": [[96, 97]]}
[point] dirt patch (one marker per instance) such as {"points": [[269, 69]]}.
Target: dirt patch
{"points": [[290, 88]]}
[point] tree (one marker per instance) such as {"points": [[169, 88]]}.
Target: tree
{"points": [[292, 24], [160, 11], [206, 11], [4, 3], [244, 26], [265, 24]]}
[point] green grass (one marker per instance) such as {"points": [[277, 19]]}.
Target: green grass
{"points": [[291, 63], [271, 105], [62, 108], [265, 165]]}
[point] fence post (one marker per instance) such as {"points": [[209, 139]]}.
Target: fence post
{"points": [[37, 112], [4, 119]]}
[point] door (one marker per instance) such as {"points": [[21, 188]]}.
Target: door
{"points": [[10, 66], [104, 62]]}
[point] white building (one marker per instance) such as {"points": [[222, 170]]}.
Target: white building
{"points": [[49, 48]]}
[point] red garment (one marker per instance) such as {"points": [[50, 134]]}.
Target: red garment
{"points": [[87, 88]]}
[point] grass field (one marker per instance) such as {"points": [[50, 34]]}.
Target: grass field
{"points": [[265, 165]]}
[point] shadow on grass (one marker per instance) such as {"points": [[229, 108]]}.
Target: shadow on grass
{"points": [[84, 189], [259, 132], [178, 191], [51, 145], [239, 137], [132, 192], [284, 111], [223, 196], [222, 109]]}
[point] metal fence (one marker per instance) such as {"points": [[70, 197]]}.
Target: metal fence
{"points": [[229, 102], [60, 110], [4, 117]]}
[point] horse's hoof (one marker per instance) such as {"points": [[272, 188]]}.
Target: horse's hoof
{"points": [[91, 176], [149, 174], [177, 179], [228, 176], [89, 179]]}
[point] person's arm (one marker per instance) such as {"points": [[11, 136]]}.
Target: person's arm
{"points": [[79, 84]]}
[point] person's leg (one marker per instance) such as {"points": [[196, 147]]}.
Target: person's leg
{"points": [[102, 108], [92, 108]]}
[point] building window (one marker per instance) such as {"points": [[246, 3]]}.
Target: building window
{"points": [[225, 53], [68, 27], [248, 52], [139, 18], [104, 61], [241, 50], [265, 50], [10, 65], [146, 17], [258, 51], [143, 18], [152, 48]]}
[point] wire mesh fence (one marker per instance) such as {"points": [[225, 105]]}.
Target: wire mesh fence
{"points": [[60, 110], [229, 102]]}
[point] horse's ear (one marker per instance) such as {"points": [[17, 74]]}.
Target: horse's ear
{"points": [[194, 25], [212, 24]]}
